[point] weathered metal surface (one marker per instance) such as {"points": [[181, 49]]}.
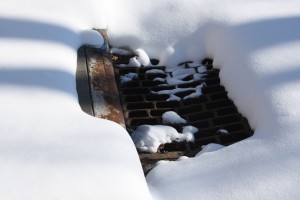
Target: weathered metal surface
{"points": [[106, 103], [96, 85], [149, 160], [104, 91], [82, 83]]}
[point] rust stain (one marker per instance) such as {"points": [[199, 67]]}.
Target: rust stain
{"points": [[104, 85], [114, 109], [114, 115]]}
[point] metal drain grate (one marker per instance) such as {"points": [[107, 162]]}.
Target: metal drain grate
{"points": [[144, 100], [210, 112]]}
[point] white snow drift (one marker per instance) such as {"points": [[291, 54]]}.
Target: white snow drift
{"points": [[50, 149]]}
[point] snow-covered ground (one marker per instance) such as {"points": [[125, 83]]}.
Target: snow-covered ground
{"points": [[50, 149]]}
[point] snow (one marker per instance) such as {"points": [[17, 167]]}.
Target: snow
{"points": [[177, 80], [158, 79], [128, 77], [189, 132], [212, 147], [133, 62], [197, 93], [142, 57], [172, 91], [195, 65], [119, 51], [173, 97], [50, 149], [92, 38], [147, 138], [202, 69], [171, 117], [190, 129], [222, 131], [155, 71], [180, 72]]}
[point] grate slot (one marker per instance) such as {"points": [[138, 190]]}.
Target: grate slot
{"points": [[139, 113], [201, 124], [129, 91], [226, 111], [133, 98], [219, 104], [140, 105], [185, 93], [123, 71], [200, 116], [142, 121], [158, 113], [151, 83], [190, 85], [157, 97], [213, 89], [212, 81], [131, 84], [189, 109], [218, 96], [167, 104], [188, 78], [226, 120], [234, 127], [200, 99]]}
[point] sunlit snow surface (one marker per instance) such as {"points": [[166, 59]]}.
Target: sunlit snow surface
{"points": [[51, 150]]}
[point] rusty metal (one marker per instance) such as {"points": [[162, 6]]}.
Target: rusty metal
{"points": [[103, 88], [82, 83]]}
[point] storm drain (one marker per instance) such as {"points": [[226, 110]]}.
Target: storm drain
{"points": [[145, 97], [191, 90]]}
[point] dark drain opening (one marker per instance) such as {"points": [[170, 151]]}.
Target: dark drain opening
{"points": [[145, 100]]}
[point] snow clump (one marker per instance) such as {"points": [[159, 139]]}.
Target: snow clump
{"points": [[147, 138], [223, 131], [173, 97], [133, 62], [197, 91], [171, 117], [128, 77], [142, 57], [189, 132]]}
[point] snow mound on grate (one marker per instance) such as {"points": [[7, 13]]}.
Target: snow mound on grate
{"points": [[147, 138]]}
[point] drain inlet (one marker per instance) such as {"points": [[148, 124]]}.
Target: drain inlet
{"points": [[143, 102]]}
